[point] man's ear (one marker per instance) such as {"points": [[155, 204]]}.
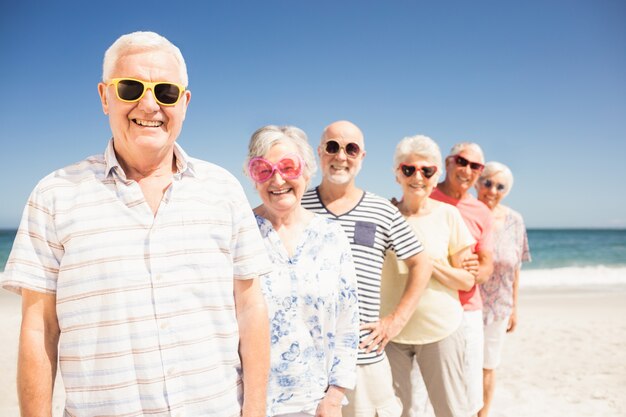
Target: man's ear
{"points": [[102, 91], [187, 97]]}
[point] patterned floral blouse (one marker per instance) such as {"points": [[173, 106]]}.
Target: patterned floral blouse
{"points": [[314, 322], [510, 250]]}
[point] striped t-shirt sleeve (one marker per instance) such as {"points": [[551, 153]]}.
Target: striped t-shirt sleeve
{"points": [[402, 239]]}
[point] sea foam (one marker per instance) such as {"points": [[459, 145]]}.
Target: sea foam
{"points": [[572, 277]]}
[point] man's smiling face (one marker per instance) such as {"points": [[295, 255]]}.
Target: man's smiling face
{"points": [[144, 127]]}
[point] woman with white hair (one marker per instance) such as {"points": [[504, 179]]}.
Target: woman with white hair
{"points": [[433, 335], [499, 292], [311, 292]]}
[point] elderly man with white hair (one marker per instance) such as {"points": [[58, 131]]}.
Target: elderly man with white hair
{"points": [[138, 267], [463, 167], [499, 292]]}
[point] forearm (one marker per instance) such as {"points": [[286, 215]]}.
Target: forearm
{"points": [[454, 278], [334, 395], [420, 270], [485, 267], [37, 356], [516, 288], [36, 372], [254, 353], [330, 405], [343, 370]]}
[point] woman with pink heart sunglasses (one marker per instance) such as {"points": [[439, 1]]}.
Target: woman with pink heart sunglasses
{"points": [[311, 292]]}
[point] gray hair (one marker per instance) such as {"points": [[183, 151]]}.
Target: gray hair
{"points": [[492, 168], [140, 42], [419, 145], [267, 136], [456, 149]]}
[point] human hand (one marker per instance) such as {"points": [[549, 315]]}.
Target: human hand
{"points": [[471, 264], [512, 322], [381, 332], [330, 406]]}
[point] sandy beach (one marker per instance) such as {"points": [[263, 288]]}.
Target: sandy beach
{"points": [[566, 358]]}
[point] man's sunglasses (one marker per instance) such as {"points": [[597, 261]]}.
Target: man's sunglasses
{"points": [[332, 147], [462, 162], [499, 186], [289, 167], [131, 90], [409, 170]]}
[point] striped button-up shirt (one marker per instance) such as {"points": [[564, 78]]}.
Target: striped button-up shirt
{"points": [[145, 303]]}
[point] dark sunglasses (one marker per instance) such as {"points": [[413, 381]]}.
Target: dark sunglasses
{"points": [[499, 186], [409, 170], [332, 147], [462, 162], [131, 90]]}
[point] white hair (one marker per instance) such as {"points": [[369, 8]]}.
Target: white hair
{"points": [[459, 147], [492, 168], [267, 136], [139, 42], [419, 145]]}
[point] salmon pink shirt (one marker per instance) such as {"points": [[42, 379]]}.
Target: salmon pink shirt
{"points": [[479, 221]]}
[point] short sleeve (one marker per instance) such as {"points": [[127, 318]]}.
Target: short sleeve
{"points": [[460, 236], [249, 256], [485, 241], [37, 253], [523, 239], [402, 238]]}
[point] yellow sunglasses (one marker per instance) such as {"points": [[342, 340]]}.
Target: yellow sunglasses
{"points": [[131, 90]]}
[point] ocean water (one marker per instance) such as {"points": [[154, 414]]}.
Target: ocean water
{"points": [[560, 257], [6, 242]]}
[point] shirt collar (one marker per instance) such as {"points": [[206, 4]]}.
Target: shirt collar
{"points": [[184, 164]]}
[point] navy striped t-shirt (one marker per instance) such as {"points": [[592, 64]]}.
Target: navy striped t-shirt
{"points": [[373, 226]]}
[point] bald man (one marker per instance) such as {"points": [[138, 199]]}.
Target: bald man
{"points": [[373, 226]]}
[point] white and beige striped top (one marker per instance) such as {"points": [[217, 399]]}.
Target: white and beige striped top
{"points": [[145, 303]]}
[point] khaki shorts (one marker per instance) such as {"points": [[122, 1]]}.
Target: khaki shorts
{"points": [[373, 395], [440, 371]]}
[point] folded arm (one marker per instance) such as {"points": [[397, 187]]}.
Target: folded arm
{"points": [[454, 276]]}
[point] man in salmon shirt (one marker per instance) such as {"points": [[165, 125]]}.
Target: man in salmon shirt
{"points": [[463, 167]]}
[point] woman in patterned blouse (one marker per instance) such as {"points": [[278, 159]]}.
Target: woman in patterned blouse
{"points": [[311, 292], [499, 293]]}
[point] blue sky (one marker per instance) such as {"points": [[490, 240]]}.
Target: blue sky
{"points": [[540, 85]]}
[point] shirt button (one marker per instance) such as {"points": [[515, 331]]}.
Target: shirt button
{"points": [[171, 371], [164, 325], [158, 277]]}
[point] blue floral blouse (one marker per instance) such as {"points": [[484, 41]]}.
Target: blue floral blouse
{"points": [[314, 321]]}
